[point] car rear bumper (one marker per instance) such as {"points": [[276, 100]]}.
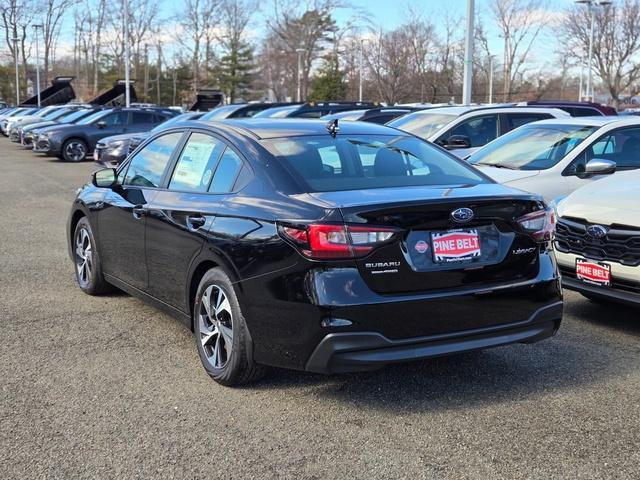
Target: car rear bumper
{"points": [[358, 351], [310, 306]]}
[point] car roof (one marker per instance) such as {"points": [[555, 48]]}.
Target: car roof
{"points": [[266, 128], [595, 121]]}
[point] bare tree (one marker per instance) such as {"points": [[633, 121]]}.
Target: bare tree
{"points": [[306, 27], [198, 19], [520, 24], [54, 12], [16, 16], [615, 48]]}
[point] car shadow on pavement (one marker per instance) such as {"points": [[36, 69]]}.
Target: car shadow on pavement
{"points": [[572, 359], [610, 316]]}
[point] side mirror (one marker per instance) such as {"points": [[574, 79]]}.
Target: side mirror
{"points": [[105, 178], [101, 124], [599, 166], [458, 141]]}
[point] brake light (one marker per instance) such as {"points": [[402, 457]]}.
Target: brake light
{"points": [[540, 225], [322, 242]]}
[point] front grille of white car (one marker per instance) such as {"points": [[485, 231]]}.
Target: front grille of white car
{"points": [[621, 243]]}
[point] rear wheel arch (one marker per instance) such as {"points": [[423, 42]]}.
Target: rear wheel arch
{"points": [[202, 267]]}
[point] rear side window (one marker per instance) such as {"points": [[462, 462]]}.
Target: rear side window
{"points": [[226, 173], [585, 112], [196, 164], [326, 164], [515, 120], [141, 117], [147, 167]]}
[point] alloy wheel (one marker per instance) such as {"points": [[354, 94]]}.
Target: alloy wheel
{"points": [[84, 257], [75, 151], [215, 321]]}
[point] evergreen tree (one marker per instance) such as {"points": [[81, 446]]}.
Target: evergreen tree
{"points": [[235, 70], [329, 84]]}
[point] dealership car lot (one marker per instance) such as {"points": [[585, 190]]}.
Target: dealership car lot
{"points": [[110, 387]]}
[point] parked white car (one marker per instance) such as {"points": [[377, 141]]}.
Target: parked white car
{"points": [[555, 157], [597, 239], [463, 130]]}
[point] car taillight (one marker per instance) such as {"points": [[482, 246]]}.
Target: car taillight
{"points": [[323, 242], [540, 225]]}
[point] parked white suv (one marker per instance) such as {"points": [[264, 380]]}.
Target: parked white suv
{"points": [[465, 129], [597, 239], [555, 157]]}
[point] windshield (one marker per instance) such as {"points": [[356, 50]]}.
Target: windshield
{"points": [[422, 124], [91, 118], [72, 116], [221, 112], [59, 113], [45, 112], [533, 147], [276, 112], [326, 164]]}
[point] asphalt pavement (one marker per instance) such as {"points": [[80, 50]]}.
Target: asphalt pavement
{"points": [[108, 387]]}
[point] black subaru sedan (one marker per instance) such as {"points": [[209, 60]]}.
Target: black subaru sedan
{"points": [[318, 247]]}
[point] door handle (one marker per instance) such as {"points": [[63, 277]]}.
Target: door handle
{"points": [[196, 221], [138, 212]]}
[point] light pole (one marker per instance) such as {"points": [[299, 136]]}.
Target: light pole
{"points": [[299, 51], [490, 79], [468, 54], [125, 21], [361, 68], [592, 5], [36, 27], [15, 41]]}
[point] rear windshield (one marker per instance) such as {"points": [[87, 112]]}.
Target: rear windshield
{"points": [[422, 124], [327, 164]]}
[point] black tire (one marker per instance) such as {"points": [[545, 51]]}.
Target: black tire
{"points": [[238, 367], [74, 150], [91, 282]]}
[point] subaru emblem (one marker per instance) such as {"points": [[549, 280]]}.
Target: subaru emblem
{"points": [[462, 215], [597, 231]]}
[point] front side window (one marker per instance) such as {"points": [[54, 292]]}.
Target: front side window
{"points": [[533, 147], [115, 119], [196, 164], [369, 161], [147, 167], [479, 130], [621, 146]]}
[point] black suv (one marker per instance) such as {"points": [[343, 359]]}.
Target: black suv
{"points": [[326, 248], [73, 142]]}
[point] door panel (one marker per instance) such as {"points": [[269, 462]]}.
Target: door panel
{"points": [[177, 223], [179, 218], [122, 221], [122, 234]]}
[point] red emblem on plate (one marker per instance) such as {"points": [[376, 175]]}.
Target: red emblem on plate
{"points": [[421, 246]]}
